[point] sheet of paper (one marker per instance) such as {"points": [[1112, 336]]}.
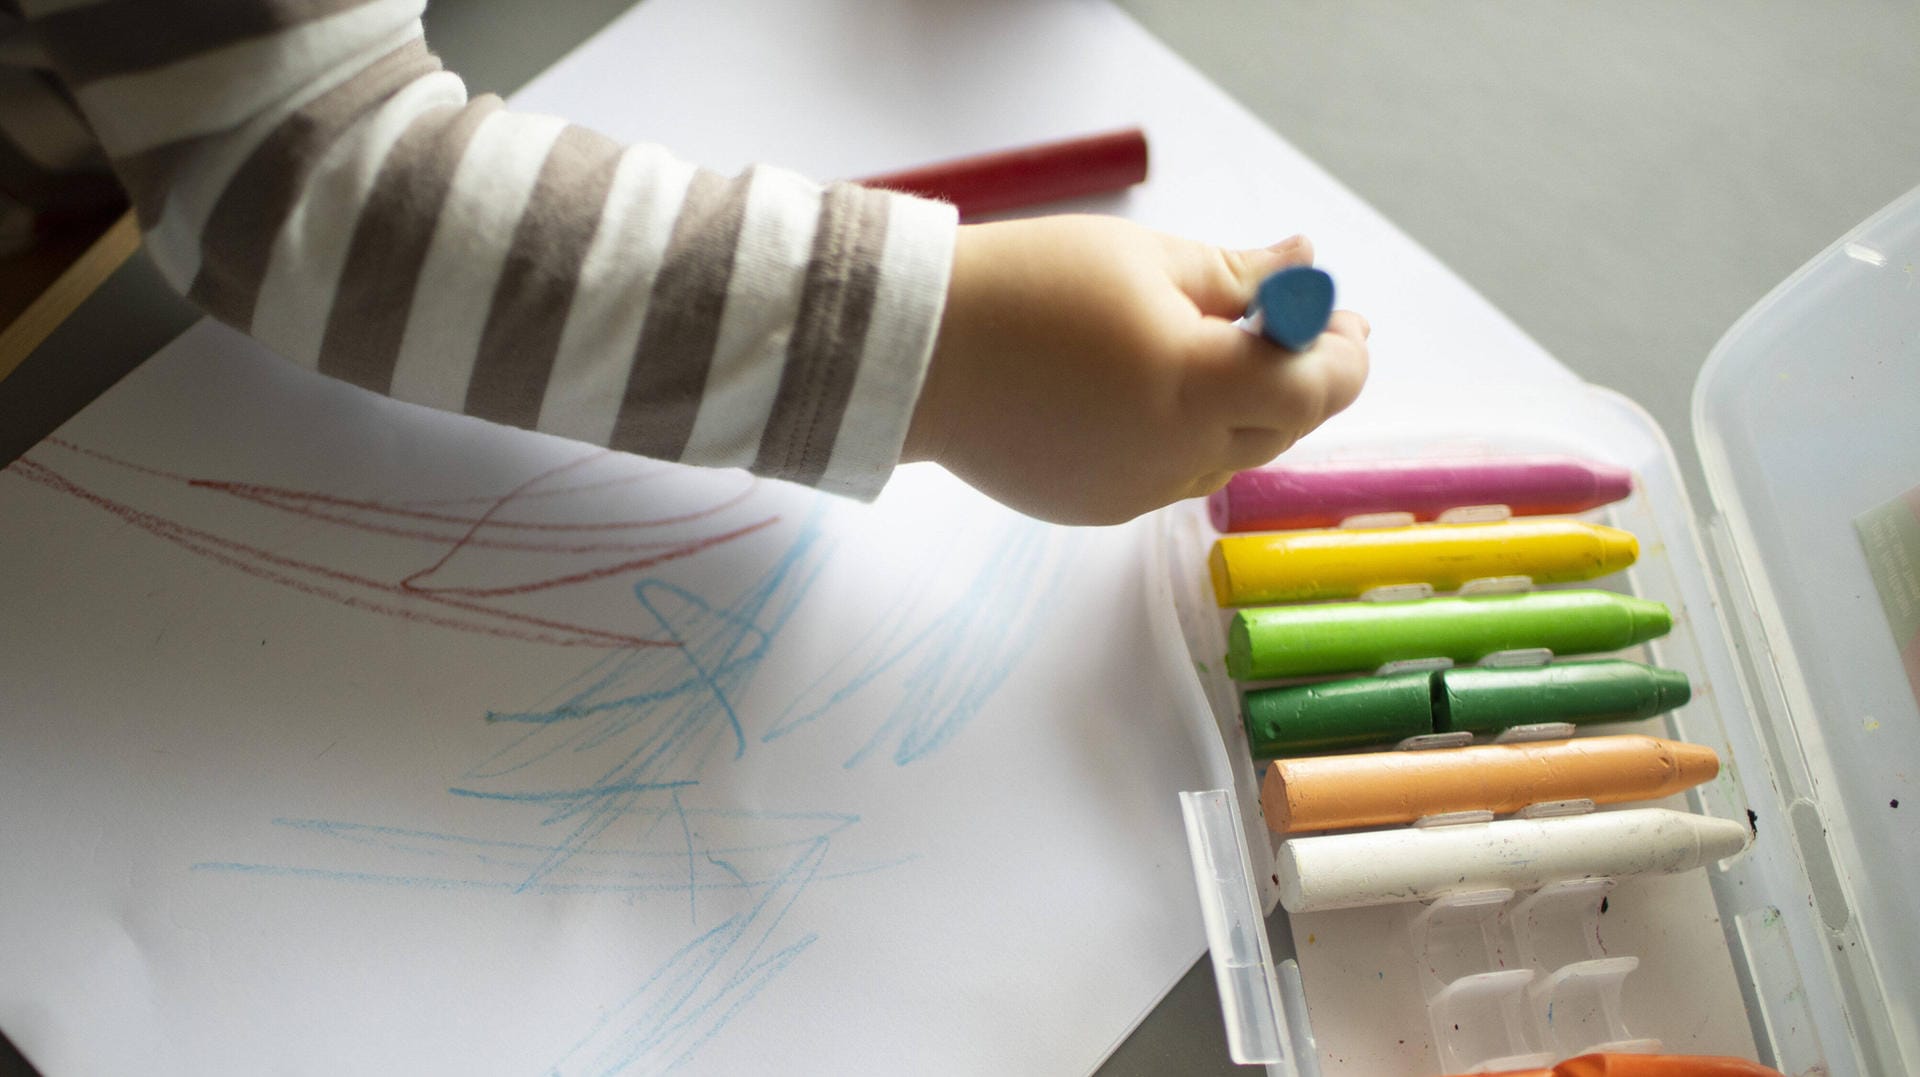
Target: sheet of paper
{"points": [[343, 736], [352, 737]]}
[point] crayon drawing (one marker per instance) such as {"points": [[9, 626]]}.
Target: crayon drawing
{"points": [[601, 780]]}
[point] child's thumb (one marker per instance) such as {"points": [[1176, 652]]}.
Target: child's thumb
{"points": [[1221, 281]]}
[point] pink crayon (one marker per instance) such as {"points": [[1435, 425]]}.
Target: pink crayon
{"points": [[1282, 498]]}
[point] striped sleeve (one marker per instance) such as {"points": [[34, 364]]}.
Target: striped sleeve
{"points": [[306, 171]]}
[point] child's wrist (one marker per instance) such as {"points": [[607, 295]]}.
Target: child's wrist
{"points": [[928, 431]]}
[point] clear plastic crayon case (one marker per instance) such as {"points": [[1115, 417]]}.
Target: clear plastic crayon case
{"points": [[1799, 951], [1482, 978]]}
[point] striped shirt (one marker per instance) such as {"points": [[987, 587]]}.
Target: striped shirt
{"points": [[306, 171]]}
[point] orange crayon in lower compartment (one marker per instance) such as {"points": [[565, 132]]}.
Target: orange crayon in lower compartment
{"points": [[1627, 1065], [1333, 792]]}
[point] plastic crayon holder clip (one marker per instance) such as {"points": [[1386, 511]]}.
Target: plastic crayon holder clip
{"points": [[1465, 514], [1575, 995], [1497, 585], [1519, 658], [1423, 742], [1475, 514], [1413, 665], [1368, 521], [1460, 738], [1514, 982], [1537, 731], [1476, 1010], [1399, 592], [1414, 592]]}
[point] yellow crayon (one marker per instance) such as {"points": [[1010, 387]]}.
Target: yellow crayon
{"points": [[1306, 566]]}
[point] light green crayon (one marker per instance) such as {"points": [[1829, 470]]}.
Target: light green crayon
{"points": [[1358, 637]]}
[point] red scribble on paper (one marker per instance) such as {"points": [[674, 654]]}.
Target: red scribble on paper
{"points": [[591, 550]]}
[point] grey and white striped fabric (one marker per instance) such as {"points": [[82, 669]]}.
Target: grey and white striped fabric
{"points": [[306, 171]]}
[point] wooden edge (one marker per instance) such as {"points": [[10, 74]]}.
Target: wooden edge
{"points": [[65, 294]]}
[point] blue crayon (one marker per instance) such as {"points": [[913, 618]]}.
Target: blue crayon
{"points": [[1291, 307]]}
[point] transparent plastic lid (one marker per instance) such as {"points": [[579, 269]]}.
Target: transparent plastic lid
{"points": [[1808, 420]]}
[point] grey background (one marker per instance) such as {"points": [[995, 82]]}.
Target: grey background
{"points": [[1622, 177]]}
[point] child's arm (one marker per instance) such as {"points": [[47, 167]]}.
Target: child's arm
{"points": [[305, 171]]}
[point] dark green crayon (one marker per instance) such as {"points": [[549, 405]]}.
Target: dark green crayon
{"points": [[1305, 719], [1489, 700], [1359, 637]]}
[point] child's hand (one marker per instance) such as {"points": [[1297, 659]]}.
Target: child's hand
{"points": [[1087, 369]]}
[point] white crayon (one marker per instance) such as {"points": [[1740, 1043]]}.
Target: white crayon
{"points": [[1384, 867]]}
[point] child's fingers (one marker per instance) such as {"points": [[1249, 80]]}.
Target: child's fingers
{"points": [[1246, 381], [1208, 483], [1221, 282], [1336, 370], [1252, 446], [1293, 251], [1349, 324]]}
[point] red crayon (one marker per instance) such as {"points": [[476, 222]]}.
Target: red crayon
{"points": [[1030, 176]]}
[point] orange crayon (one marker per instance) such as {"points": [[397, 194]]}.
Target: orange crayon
{"points": [[1625, 1065], [1378, 788]]}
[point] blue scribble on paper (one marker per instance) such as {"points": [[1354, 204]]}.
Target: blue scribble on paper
{"points": [[647, 727], [948, 663], [673, 1012], [756, 857]]}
